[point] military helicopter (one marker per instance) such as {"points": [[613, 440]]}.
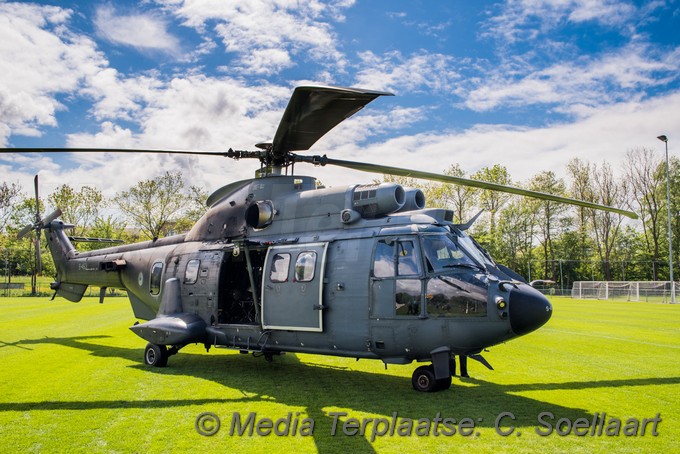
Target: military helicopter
{"points": [[279, 264]]}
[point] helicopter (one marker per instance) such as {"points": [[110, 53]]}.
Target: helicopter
{"points": [[279, 263]]}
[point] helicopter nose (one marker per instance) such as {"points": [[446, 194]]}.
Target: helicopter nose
{"points": [[528, 308]]}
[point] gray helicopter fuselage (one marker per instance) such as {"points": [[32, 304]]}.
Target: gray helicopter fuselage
{"points": [[278, 265]]}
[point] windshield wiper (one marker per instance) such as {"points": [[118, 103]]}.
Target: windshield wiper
{"points": [[464, 265]]}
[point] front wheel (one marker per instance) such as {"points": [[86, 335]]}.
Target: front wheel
{"points": [[156, 355], [423, 379]]}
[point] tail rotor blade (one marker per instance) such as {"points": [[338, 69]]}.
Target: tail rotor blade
{"points": [[37, 200], [51, 217], [38, 257], [25, 231]]}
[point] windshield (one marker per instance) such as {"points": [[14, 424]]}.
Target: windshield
{"points": [[442, 253], [474, 249]]}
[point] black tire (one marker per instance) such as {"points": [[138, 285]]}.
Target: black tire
{"points": [[423, 379], [156, 355]]}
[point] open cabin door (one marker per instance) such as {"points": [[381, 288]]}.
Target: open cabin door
{"points": [[292, 287]]}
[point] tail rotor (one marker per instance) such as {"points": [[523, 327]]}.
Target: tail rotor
{"points": [[40, 223]]}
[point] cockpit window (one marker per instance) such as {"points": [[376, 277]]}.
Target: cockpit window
{"points": [[442, 254]]}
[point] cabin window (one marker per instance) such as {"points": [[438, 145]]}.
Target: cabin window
{"points": [[279, 268], [304, 266], [407, 297], [155, 280], [399, 255], [191, 274]]}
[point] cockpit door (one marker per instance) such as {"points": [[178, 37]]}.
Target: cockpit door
{"points": [[292, 287]]}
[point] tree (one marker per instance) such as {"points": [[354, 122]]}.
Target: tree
{"points": [[647, 188], [492, 201], [581, 188], [549, 216], [152, 204], [9, 196], [606, 224], [515, 236], [459, 198], [80, 208], [195, 208]]}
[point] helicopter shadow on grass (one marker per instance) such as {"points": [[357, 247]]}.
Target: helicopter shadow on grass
{"points": [[321, 389]]}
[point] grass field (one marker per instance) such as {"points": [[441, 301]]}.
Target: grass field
{"points": [[72, 379]]}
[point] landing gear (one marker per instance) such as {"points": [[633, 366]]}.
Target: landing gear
{"points": [[423, 380], [156, 355]]}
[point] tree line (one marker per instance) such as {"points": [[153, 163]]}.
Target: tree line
{"points": [[542, 239], [152, 208], [539, 239]]}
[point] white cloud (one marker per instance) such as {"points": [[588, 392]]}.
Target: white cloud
{"points": [[393, 71], [35, 39], [142, 31], [268, 35], [527, 19], [605, 135], [609, 78]]}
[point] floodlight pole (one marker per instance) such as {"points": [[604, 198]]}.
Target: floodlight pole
{"points": [[664, 139]]}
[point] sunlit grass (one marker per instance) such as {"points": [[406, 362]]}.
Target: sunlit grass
{"points": [[72, 379]]}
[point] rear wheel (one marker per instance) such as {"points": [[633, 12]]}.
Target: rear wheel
{"points": [[423, 379], [156, 355]]}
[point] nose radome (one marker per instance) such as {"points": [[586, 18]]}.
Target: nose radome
{"points": [[528, 308]]}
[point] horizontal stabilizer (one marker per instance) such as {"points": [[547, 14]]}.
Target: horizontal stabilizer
{"points": [[72, 292]]}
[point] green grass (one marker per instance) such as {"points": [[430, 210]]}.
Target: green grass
{"points": [[71, 379]]}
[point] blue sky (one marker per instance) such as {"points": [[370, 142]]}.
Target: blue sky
{"points": [[527, 84]]}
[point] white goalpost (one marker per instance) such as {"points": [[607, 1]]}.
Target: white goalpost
{"points": [[652, 291]]}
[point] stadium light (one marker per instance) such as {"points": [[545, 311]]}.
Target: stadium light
{"points": [[664, 139]]}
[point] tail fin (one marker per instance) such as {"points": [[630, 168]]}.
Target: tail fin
{"points": [[62, 251]]}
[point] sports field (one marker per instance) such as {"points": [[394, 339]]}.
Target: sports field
{"points": [[72, 379]]}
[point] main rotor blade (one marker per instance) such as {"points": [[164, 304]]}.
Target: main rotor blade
{"points": [[313, 111], [223, 154], [375, 168]]}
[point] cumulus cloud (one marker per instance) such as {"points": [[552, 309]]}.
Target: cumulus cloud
{"points": [[519, 20], [268, 35], [35, 40], [142, 31], [394, 71], [569, 86]]}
